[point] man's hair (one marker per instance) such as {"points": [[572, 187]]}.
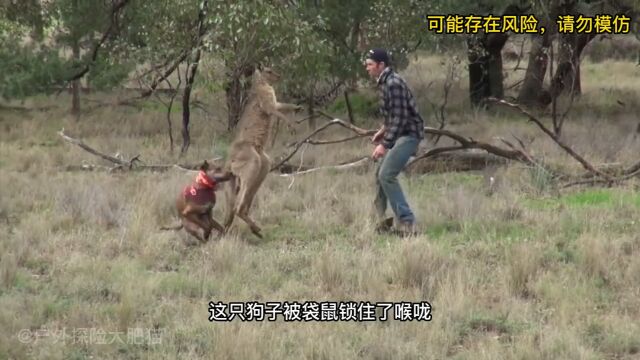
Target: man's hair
{"points": [[378, 55]]}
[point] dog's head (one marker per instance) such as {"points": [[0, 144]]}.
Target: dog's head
{"points": [[217, 173]]}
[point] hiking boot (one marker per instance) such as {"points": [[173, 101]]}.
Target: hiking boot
{"points": [[384, 226], [405, 229]]}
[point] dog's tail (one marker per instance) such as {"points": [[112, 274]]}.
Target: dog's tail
{"points": [[176, 227]]}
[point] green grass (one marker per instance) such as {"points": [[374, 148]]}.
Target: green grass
{"points": [[499, 324], [468, 232], [601, 198]]}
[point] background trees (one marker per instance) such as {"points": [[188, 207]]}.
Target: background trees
{"points": [[48, 46]]}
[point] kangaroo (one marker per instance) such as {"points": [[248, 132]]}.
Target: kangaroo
{"points": [[248, 161]]}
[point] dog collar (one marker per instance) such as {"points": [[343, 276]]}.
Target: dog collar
{"points": [[204, 180]]}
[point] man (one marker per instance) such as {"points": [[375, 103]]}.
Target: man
{"points": [[396, 141]]}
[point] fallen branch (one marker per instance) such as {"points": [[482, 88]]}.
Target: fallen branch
{"points": [[471, 160], [99, 104], [632, 169], [87, 167], [24, 109], [554, 137], [596, 181], [454, 161], [89, 149], [465, 143], [287, 168], [156, 168], [328, 142], [128, 165], [469, 143], [298, 145], [349, 165]]}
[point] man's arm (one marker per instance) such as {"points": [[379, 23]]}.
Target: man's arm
{"points": [[395, 118]]}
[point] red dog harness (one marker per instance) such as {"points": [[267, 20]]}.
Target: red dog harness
{"points": [[202, 191]]}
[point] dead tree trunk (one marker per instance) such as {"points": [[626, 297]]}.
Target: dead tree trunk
{"points": [[186, 96], [192, 68], [531, 92], [75, 84], [485, 67], [478, 72], [567, 76], [237, 91], [485, 62]]}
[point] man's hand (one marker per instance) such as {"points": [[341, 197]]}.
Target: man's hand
{"points": [[377, 136], [378, 152]]}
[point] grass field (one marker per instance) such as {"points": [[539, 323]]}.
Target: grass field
{"points": [[528, 272]]}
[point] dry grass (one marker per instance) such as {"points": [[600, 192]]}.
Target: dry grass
{"points": [[519, 273]]}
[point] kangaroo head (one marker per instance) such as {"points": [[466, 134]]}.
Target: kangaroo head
{"points": [[269, 75]]}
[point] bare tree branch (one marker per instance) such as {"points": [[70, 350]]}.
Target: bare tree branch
{"points": [[439, 110], [167, 72], [115, 10], [553, 136]]}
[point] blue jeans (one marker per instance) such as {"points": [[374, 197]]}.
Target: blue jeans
{"points": [[387, 183]]}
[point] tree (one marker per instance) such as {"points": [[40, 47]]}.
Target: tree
{"points": [[42, 64], [566, 78], [243, 41], [485, 60], [341, 34]]}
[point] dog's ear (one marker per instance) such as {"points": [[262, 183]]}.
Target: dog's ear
{"points": [[204, 166]]}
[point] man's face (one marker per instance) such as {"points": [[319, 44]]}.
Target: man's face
{"points": [[374, 68]]}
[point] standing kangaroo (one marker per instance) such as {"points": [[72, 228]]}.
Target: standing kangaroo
{"points": [[248, 161]]}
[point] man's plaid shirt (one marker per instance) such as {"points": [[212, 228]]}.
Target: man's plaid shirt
{"points": [[398, 107]]}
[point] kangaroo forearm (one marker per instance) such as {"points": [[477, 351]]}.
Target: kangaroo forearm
{"points": [[281, 116], [286, 107]]}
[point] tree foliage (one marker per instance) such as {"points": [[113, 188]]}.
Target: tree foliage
{"points": [[314, 42]]}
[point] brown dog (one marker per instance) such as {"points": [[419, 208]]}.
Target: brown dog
{"points": [[196, 201]]}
